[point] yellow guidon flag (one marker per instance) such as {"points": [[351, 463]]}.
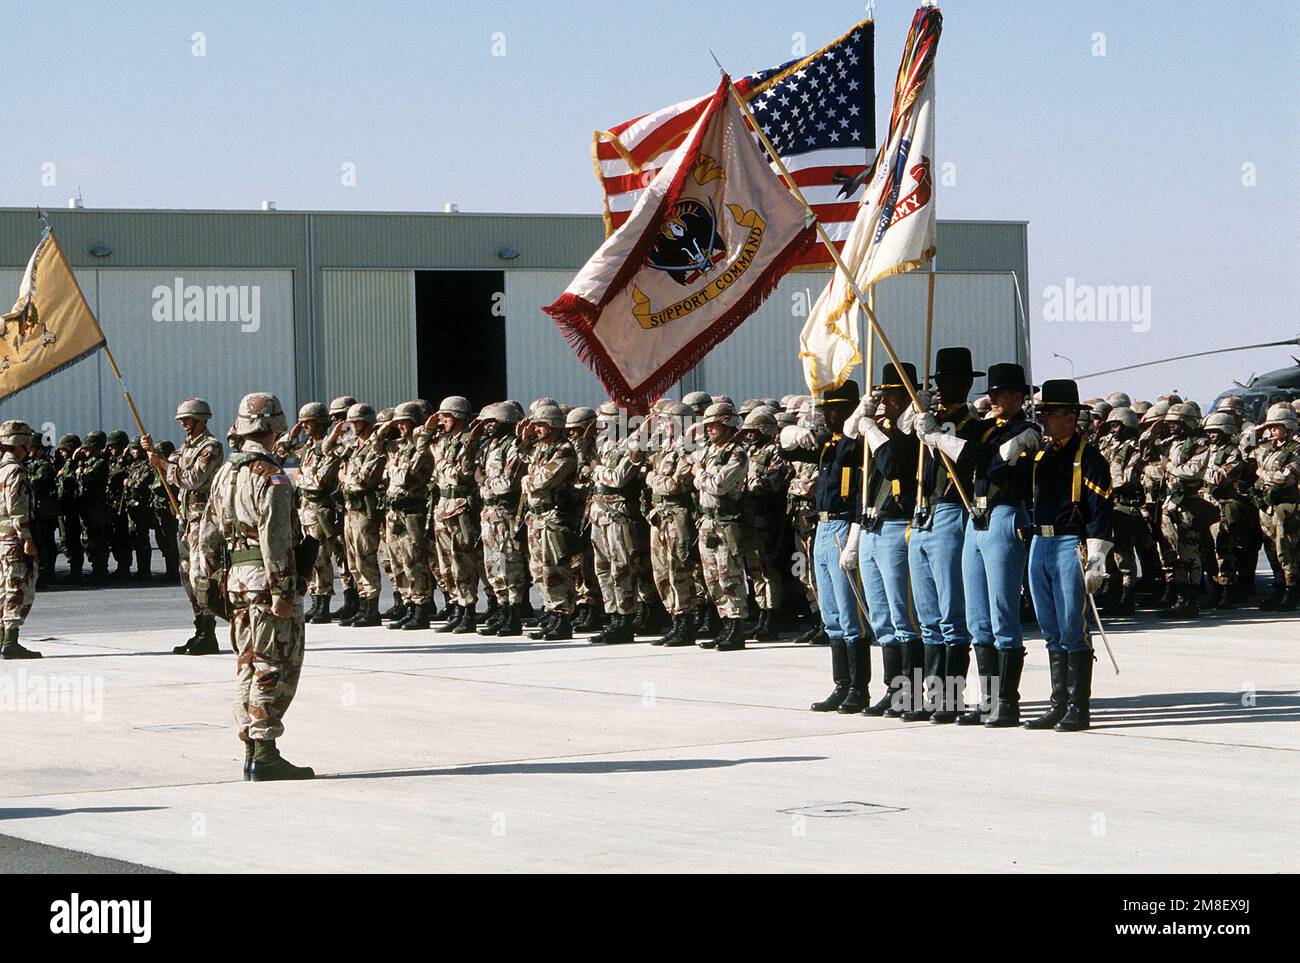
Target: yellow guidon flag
{"points": [[50, 326]]}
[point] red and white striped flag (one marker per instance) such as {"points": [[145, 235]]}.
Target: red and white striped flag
{"points": [[818, 111]]}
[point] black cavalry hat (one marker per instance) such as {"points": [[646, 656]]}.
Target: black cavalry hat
{"points": [[1007, 375], [889, 376], [1060, 393], [954, 363], [846, 394]]}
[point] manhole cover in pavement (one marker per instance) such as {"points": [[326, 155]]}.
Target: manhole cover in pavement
{"points": [[835, 810], [181, 727]]}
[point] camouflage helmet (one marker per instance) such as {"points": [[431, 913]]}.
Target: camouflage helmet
{"points": [[1141, 407], [409, 411], [721, 413], [456, 406], [1229, 403], [96, 440], [1280, 414], [607, 412], [260, 411], [516, 407], [748, 405], [501, 411], [313, 411], [193, 408], [724, 400], [1118, 399], [1123, 416], [543, 403], [71, 442], [362, 412], [579, 417], [677, 409], [784, 418], [760, 420], [426, 408], [1221, 421], [771, 403], [1193, 408], [16, 432], [549, 415], [698, 400], [117, 439], [1156, 412], [340, 405], [1181, 412], [1100, 409], [383, 416]]}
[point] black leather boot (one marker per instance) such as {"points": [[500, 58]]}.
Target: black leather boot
{"points": [[1077, 712], [512, 622], [451, 616], [930, 695], [618, 632], [559, 631], [891, 658], [1056, 665], [206, 643], [1288, 601], [417, 618], [1006, 701], [763, 631], [986, 666], [397, 611], [367, 615], [673, 631], [858, 652], [733, 637], [323, 615], [707, 624], [840, 674], [956, 661], [581, 617], [184, 647], [806, 636], [544, 624], [685, 631], [468, 621], [348, 610], [268, 765]]}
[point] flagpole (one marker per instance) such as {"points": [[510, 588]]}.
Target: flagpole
{"points": [[869, 382], [848, 276], [130, 403], [929, 327]]}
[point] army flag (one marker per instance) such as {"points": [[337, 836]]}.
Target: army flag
{"points": [[894, 230], [50, 326], [703, 247]]}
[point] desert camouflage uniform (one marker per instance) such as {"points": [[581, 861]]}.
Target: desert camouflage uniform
{"points": [[1155, 451], [505, 561], [455, 518], [197, 461], [552, 535], [612, 511], [1184, 515], [1279, 506], [762, 506], [672, 537], [318, 480], [585, 584], [720, 475], [359, 483], [70, 516], [1225, 475], [92, 503], [801, 507], [1128, 526], [137, 498], [120, 539], [17, 568], [409, 473], [45, 511]]}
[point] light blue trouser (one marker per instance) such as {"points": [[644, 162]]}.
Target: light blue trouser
{"points": [[1060, 600], [993, 568], [835, 596], [934, 556], [882, 561]]}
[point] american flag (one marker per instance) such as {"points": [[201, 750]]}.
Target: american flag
{"points": [[818, 111]]}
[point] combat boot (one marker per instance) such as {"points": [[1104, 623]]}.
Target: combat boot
{"points": [[763, 631], [1058, 667], [351, 602], [707, 622], [367, 615], [1217, 595], [1288, 600], [617, 632], [311, 611], [986, 664], [560, 630], [250, 748], [1185, 607], [1077, 712], [1271, 603], [1227, 598], [956, 660], [418, 619], [1168, 597], [9, 647], [492, 612], [143, 565], [397, 611], [931, 694], [1006, 698], [840, 676], [806, 637], [512, 622], [184, 647], [322, 614], [493, 618], [206, 643], [734, 635], [891, 658], [685, 631], [1127, 603], [450, 617], [581, 617], [268, 765], [468, 621], [672, 633], [544, 624]]}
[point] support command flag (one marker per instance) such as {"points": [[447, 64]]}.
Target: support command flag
{"points": [[50, 326], [705, 244]]}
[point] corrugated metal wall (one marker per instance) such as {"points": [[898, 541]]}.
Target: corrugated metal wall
{"points": [[538, 361], [367, 336], [166, 361]]}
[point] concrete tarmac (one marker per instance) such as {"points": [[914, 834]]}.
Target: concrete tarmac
{"points": [[439, 752]]}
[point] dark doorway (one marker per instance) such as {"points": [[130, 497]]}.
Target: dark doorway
{"points": [[460, 335]]}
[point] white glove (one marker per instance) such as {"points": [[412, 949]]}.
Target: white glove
{"points": [[1094, 573], [1027, 441], [851, 427], [849, 554], [872, 432], [797, 436], [923, 424], [947, 443], [906, 419]]}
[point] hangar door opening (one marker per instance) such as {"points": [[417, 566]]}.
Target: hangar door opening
{"points": [[460, 335]]}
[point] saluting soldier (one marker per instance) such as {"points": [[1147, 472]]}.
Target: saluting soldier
{"points": [[45, 509], [119, 530], [338, 414], [720, 474], [505, 560], [167, 528], [359, 482], [673, 552], [801, 510], [1071, 509], [137, 499], [191, 476], [69, 512], [552, 518], [1183, 513], [589, 613], [1226, 487], [318, 478], [763, 507], [18, 550], [1278, 496], [410, 472], [612, 515], [455, 516], [1129, 532], [92, 468]]}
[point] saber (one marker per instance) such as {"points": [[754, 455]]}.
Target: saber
{"points": [[853, 585], [1097, 615]]}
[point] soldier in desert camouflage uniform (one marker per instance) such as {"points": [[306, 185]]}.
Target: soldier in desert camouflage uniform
{"points": [[720, 475], [1184, 514], [552, 519], [253, 517], [671, 484], [1277, 494], [18, 552], [455, 516], [1227, 482], [318, 478], [763, 505], [338, 413], [589, 612], [801, 510], [119, 527], [359, 483], [505, 559], [613, 515], [1128, 527], [409, 472], [69, 512], [92, 467], [45, 509], [190, 475]]}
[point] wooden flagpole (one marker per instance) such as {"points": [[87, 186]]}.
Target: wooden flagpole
{"points": [[130, 403], [929, 328]]}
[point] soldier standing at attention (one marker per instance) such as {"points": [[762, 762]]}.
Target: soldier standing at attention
{"points": [[137, 497], [119, 532], [359, 483], [197, 462], [92, 500], [409, 473], [615, 473], [505, 561], [763, 509], [1278, 498], [318, 478], [671, 482], [552, 520], [69, 511], [1225, 476], [167, 529], [993, 550], [45, 510], [254, 515], [1128, 526], [338, 413], [1183, 511], [1071, 508], [720, 475], [801, 507], [18, 550], [455, 517], [589, 612]]}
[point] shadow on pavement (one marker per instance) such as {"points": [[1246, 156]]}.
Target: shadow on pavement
{"points": [[1187, 709], [591, 768], [42, 811]]}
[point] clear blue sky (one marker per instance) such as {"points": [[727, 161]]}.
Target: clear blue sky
{"points": [[1128, 166]]}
